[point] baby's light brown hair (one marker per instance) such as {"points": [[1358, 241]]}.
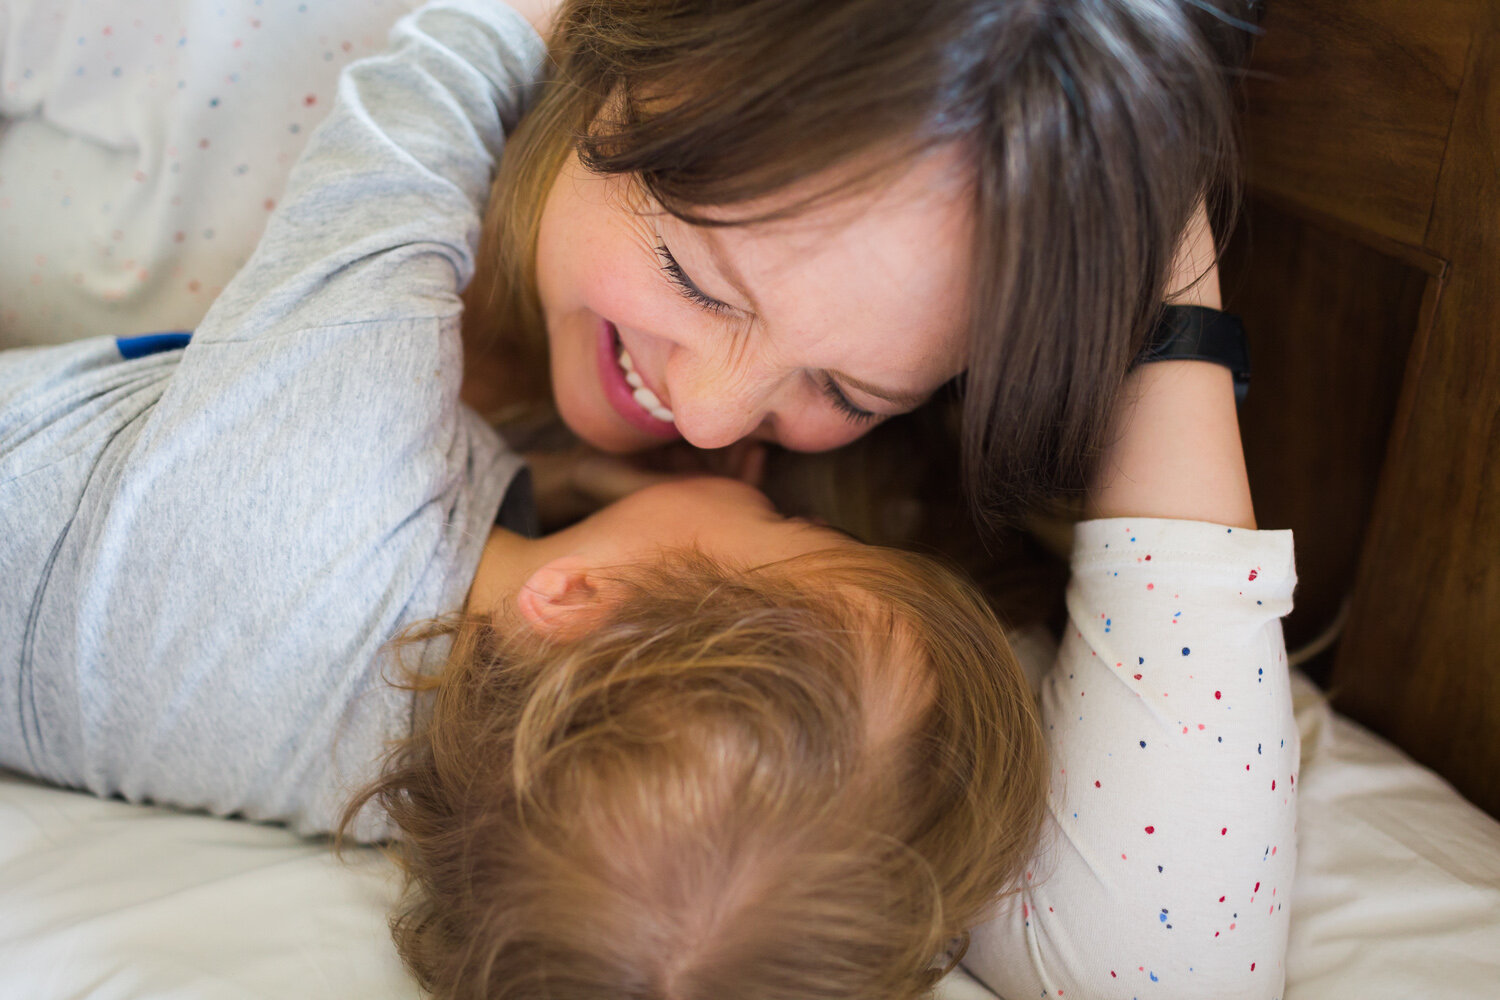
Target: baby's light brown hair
{"points": [[802, 781]]}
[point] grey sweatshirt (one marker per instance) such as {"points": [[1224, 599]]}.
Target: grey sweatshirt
{"points": [[204, 549]]}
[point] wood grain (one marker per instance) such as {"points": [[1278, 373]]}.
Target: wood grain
{"points": [[1420, 661], [1350, 106]]}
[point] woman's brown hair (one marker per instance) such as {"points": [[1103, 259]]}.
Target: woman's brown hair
{"points": [[1094, 129], [706, 796]]}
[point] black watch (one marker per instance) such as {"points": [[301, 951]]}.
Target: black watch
{"points": [[1197, 333]]}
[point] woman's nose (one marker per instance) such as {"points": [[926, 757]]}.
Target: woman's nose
{"points": [[715, 401]]}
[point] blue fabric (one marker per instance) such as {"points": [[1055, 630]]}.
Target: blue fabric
{"points": [[151, 343]]}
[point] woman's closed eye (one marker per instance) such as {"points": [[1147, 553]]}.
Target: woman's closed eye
{"points": [[842, 403], [686, 286]]}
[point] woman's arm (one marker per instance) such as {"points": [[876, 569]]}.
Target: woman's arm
{"points": [[1176, 451], [1170, 848]]}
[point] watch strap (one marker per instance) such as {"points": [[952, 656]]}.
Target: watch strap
{"points": [[1197, 333]]}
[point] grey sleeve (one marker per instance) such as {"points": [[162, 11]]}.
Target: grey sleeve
{"points": [[307, 484]]}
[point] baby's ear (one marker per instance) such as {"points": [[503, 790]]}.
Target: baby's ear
{"points": [[560, 596]]}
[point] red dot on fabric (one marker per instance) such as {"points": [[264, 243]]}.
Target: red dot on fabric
{"points": [[1253, 574], [1252, 966], [310, 100], [1221, 899], [1112, 974], [1150, 829], [1218, 695], [1137, 676], [1257, 887], [1148, 558], [1150, 586], [1224, 831], [1096, 784], [1273, 784]]}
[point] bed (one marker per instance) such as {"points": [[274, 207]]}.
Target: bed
{"points": [[1398, 894], [1399, 889]]}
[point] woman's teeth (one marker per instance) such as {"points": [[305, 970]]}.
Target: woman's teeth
{"points": [[643, 395]]}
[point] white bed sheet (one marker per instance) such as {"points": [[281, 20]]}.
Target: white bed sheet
{"points": [[1398, 894]]}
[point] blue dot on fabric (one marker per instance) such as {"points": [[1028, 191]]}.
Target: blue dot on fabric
{"points": [[1185, 651], [213, 102], [1139, 660], [1143, 744], [1154, 979]]}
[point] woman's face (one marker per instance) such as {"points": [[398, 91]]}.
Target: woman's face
{"points": [[805, 331]]}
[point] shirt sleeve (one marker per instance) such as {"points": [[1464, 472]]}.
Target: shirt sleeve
{"points": [[307, 483], [1170, 843]]}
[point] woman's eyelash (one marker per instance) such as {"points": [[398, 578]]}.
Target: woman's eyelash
{"points": [[856, 414], [685, 285]]}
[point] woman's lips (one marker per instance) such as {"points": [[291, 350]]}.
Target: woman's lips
{"points": [[633, 404]]}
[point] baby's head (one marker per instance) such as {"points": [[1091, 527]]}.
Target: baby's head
{"points": [[696, 777]]}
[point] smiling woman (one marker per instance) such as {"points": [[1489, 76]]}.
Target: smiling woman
{"points": [[785, 222], [801, 330]]}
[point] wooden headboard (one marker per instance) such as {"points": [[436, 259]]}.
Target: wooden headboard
{"points": [[1367, 267]]}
